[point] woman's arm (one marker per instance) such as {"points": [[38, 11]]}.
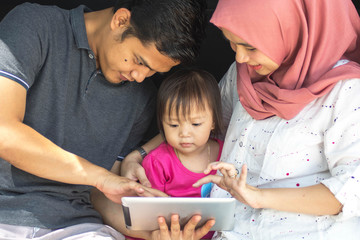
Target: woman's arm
{"points": [[315, 200]]}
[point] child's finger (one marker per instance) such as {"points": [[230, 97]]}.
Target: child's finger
{"points": [[175, 227], [164, 230]]}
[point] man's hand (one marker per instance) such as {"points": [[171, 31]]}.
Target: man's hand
{"points": [[115, 187]]}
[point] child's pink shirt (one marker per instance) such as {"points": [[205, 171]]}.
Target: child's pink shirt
{"points": [[166, 173]]}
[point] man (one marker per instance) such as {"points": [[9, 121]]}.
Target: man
{"points": [[71, 102]]}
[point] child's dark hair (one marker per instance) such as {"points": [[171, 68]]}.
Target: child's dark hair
{"points": [[176, 27], [186, 87]]}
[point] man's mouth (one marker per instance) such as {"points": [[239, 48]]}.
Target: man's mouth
{"points": [[122, 77]]}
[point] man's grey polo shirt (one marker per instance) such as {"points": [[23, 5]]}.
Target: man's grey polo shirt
{"points": [[45, 49]]}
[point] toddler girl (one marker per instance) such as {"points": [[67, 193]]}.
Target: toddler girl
{"points": [[189, 116]]}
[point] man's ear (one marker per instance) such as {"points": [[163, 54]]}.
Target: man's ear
{"points": [[121, 18]]}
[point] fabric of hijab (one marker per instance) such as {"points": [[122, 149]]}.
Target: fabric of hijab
{"points": [[306, 38]]}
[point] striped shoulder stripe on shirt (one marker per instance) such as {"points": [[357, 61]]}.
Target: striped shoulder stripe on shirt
{"points": [[15, 78]]}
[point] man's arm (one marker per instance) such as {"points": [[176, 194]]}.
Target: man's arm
{"points": [[112, 213], [45, 159]]}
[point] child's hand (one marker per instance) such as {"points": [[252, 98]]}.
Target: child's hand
{"points": [[233, 184], [188, 233], [132, 169]]}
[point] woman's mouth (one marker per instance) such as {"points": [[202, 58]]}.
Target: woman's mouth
{"points": [[255, 67]]}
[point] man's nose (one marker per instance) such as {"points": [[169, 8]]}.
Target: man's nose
{"points": [[140, 73]]}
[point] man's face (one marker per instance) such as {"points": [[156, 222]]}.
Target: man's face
{"points": [[126, 59], [130, 60]]}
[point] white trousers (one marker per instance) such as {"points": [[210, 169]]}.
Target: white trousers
{"points": [[80, 231]]}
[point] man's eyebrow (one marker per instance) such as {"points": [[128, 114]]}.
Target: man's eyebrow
{"points": [[146, 64]]}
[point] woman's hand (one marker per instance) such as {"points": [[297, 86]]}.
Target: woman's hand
{"points": [[235, 185], [175, 233]]}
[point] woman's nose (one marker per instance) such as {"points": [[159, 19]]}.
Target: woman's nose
{"points": [[241, 55]]}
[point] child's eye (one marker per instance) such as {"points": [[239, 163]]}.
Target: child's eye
{"points": [[196, 124], [173, 125]]}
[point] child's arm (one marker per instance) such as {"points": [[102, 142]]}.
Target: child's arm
{"points": [[131, 165], [316, 199]]}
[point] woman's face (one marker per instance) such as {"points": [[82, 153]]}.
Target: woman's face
{"points": [[248, 54]]}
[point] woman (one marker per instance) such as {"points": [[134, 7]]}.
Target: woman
{"points": [[293, 103], [292, 106]]}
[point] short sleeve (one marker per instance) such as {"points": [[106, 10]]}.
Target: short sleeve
{"points": [[22, 44], [155, 172]]}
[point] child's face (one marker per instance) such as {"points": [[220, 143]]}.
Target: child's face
{"points": [[190, 134]]}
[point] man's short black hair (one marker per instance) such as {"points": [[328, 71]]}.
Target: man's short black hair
{"points": [[176, 27]]}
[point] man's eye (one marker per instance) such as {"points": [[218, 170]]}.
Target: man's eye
{"points": [[251, 49], [139, 62]]}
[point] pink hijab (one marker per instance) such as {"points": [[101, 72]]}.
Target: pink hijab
{"points": [[305, 37]]}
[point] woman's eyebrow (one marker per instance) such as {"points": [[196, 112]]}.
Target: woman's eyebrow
{"points": [[238, 43]]}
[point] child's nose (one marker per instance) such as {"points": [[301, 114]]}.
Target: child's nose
{"points": [[184, 131]]}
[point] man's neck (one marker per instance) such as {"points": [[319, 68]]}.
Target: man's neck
{"points": [[97, 25]]}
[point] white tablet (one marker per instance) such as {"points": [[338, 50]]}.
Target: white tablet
{"points": [[141, 213]]}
